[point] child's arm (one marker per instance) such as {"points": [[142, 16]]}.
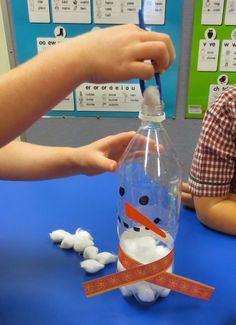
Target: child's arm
{"points": [[25, 161], [212, 174], [105, 55], [186, 196], [218, 213]]}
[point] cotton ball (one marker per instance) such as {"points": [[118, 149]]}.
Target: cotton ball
{"points": [[142, 249], [146, 242], [120, 267], [140, 289], [90, 252], [106, 258], [81, 243], [137, 244], [58, 235], [68, 242], [164, 292], [170, 268], [126, 292], [152, 96], [91, 266], [162, 251], [146, 247], [145, 293], [129, 245], [83, 234]]}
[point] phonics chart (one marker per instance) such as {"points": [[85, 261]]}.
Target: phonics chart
{"points": [[213, 57], [41, 24]]}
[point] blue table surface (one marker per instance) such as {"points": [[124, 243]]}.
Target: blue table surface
{"points": [[42, 284]]}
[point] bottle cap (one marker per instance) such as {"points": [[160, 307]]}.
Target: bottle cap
{"points": [[152, 106]]}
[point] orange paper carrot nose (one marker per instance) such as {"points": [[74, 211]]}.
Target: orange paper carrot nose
{"points": [[137, 216]]}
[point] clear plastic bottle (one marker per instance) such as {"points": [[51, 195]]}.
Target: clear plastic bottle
{"points": [[149, 178]]}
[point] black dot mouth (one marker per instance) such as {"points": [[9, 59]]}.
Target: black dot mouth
{"points": [[157, 220], [138, 229]]}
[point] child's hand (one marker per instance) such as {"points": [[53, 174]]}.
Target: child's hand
{"points": [[106, 55], [118, 53], [186, 196], [102, 155]]}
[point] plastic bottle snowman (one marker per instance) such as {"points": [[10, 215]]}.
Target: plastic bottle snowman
{"points": [[149, 177]]}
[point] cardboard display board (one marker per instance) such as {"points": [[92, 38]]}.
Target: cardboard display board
{"points": [[213, 57], [40, 24], [4, 62]]}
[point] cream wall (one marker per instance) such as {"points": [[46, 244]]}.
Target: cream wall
{"points": [[4, 58]]}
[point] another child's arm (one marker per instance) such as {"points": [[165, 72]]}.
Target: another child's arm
{"points": [[25, 161], [186, 196], [218, 213], [213, 170], [105, 55]]}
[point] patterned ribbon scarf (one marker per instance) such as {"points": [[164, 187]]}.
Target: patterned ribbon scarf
{"points": [[155, 272]]}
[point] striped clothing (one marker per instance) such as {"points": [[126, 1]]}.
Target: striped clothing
{"points": [[213, 170]]}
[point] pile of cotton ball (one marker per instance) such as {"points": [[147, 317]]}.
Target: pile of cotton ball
{"points": [[82, 242], [145, 250]]}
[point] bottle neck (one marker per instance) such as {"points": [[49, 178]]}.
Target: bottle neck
{"points": [[156, 115], [151, 124]]}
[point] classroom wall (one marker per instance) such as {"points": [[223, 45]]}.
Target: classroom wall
{"points": [[82, 130], [4, 49]]}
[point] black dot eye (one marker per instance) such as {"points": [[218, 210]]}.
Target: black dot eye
{"points": [[136, 229], [144, 200], [122, 191]]}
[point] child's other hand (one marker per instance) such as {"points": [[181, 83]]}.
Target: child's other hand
{"points": [[118, 53], [102, 155], [186, 196]]}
